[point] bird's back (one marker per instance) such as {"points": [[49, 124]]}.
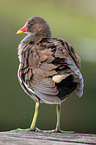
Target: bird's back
{"points": [[49, 70]]}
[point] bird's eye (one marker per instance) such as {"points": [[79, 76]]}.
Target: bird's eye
{"points": [[31, 23]]}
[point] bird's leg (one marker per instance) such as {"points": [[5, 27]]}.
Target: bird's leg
{"points": [[58, 110], [57, 129], [33, 124]]}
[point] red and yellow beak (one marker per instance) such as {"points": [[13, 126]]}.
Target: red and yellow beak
{"points": [[23, 29]]}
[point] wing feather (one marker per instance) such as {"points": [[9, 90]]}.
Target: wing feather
{"points": [[47, 59]]}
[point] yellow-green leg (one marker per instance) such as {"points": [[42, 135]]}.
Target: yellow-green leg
{"points": [[33, 124], [57, 129], [58, 110]]}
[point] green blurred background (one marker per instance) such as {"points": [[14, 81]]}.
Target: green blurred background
{"points": [[72, 20]]}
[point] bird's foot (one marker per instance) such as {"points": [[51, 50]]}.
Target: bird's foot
{"points": [[45, 131], [54, 131], [30, 129], [57, 131]]}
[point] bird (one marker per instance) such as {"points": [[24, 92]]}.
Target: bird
{"points": [[49, 69]]}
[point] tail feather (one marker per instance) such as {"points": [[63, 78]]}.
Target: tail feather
{"points": [[76, 73], [80, 85]]}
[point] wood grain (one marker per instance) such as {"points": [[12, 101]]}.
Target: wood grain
{"points": [[21, 137]]}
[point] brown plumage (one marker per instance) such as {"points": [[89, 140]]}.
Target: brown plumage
{"points": [[49, 69]]}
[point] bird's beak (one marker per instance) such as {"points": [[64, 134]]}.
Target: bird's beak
{"points": [[23, 29]]}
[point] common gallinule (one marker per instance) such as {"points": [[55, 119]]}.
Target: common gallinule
{"points": [[49, 69]]}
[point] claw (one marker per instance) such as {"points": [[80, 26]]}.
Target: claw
{"points": [[57, 131], [30, 129]]}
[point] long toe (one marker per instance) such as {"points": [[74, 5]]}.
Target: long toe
{"points": [[57, 131], [30, 129]]}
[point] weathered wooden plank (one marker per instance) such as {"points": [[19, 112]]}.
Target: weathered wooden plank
{"points": [[19, 137]]}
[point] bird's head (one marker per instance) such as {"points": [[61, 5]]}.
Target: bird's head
{"points": [[36, 26]]}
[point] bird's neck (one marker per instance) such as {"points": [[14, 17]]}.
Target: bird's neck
{"points": [[27, 39], [32, 38]]}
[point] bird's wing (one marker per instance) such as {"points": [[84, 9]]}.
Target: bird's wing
{"points": [[43, 62], [66, 60], [73, 62], [36, 70]]}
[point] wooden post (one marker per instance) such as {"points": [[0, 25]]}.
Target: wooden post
{"points": [[21, 137]]}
